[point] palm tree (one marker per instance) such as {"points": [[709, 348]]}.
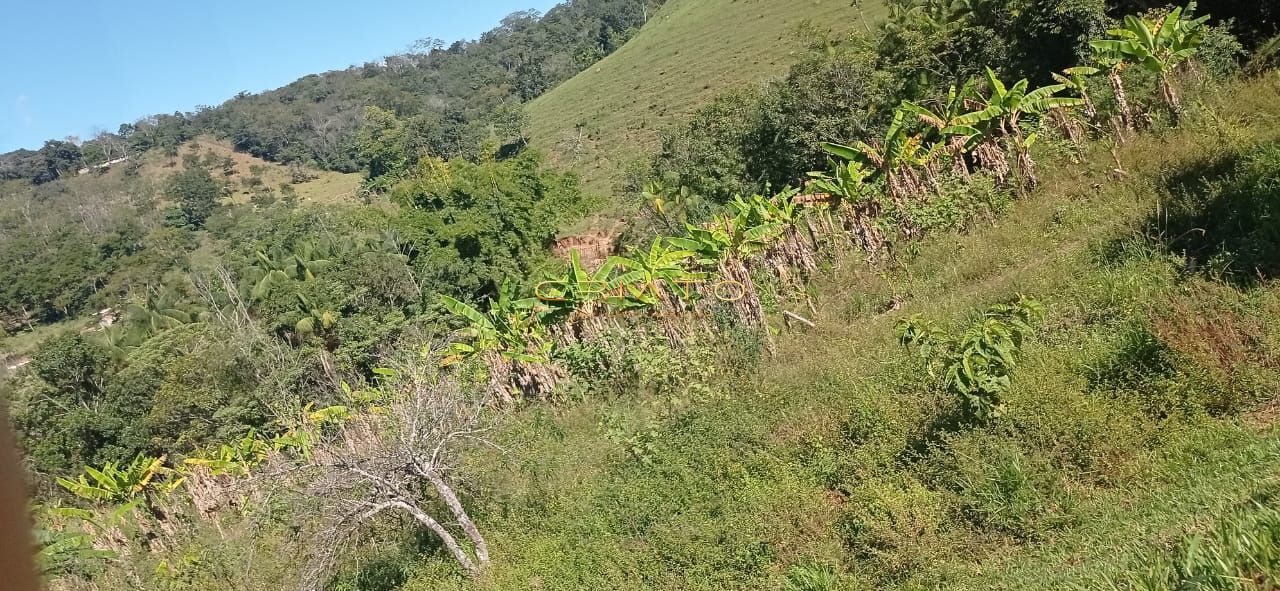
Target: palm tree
{"points": [[1158, 46]]}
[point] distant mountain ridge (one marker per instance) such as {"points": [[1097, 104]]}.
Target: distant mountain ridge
{"points": [[463, 90]]}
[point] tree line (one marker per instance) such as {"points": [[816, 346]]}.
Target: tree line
{"points": [[458, 90]]}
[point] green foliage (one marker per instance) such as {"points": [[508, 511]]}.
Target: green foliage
{"points": [[1242, 551], [812, 577], [1217, 216], [72, 364], [382, 144], [474, 225], [1157, 45], [236, 458], [453, 94], [63, 552], [977, 365], [1006, 490], [196, 193], [115, 484]]}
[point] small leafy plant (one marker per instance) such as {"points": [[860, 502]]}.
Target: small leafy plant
{"points": [[117, 483], [976, 366]]}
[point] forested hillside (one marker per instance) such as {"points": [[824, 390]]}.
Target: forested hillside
{"points": [[970, 295], [458, 90]]}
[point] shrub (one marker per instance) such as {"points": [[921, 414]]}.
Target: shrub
{"points": [[977, 365], [1005, 489], [895, 522]]}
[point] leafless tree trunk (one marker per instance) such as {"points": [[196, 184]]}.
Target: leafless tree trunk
{"points": [[400, 459]]}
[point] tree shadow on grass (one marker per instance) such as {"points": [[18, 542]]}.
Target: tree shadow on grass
{"points": [[1223, 217]]}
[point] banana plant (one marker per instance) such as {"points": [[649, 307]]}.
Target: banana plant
{"points": [[68, 549], [157, 311], [115, 483], [788, 248], [1158, 46], [315, 319], [1114, 63], [671, 205], [237, 458], [578, 296], [892, 158], [1005, 111], [647, 274], [851, 194], [956, 138], [1076, 80], [508, 330], [277, 267], [708, 245], [119, 340], [510, 341], [728, 242], [929, 16]]}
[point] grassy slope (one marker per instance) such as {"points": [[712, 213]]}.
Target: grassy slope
{"points": [[690, 52], [326, 188], [745, 484]]}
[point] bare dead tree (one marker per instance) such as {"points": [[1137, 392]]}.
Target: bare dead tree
{"points": [[400, 459]]}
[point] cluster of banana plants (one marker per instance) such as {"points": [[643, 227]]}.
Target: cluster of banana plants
{"points": [[989, 124], [510, 340], [1162, 46], [986, 124], [677, 281], [139, 492]]}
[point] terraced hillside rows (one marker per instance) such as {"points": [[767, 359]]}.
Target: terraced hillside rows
{"points": [[601, 120]]}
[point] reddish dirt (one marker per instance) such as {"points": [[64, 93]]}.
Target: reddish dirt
{"points": [[593, 247]]}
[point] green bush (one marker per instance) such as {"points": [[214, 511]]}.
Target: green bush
{"points": [[1003, 489]]}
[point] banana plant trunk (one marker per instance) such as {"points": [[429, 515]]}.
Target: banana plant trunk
{"points": [[747, 300], [1122, 99], [1170, 94], [990, 156], [499, 376], [1069, 126]]}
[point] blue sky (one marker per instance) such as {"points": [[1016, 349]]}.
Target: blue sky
{"points": [[71, 68]]}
